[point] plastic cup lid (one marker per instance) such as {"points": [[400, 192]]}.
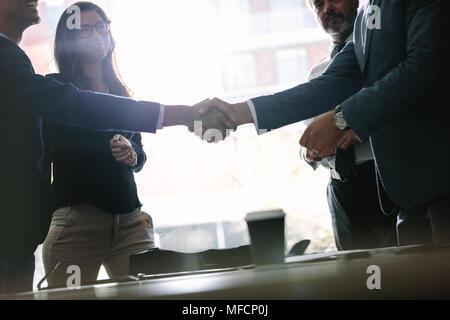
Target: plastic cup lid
{"points": [[264, 215]]}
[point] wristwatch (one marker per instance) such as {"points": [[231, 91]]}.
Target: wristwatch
{"points": [[339, 119]]}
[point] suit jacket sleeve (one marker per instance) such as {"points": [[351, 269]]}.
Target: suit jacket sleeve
{"points": [[21, 88], [341, 80], [67, 143], [413, 79]]}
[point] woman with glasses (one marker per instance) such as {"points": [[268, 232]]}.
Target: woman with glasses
{"points": [[97, 218]]}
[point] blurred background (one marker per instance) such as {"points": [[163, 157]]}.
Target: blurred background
{"points": [[181, 52]]}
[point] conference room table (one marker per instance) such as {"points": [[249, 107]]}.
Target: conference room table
{"points": [[411, 272]]}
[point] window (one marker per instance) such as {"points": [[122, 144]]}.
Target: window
{"points": [[292, 65], [180, 52], [239, 72]]}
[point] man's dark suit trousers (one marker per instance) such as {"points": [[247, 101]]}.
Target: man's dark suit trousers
{"points": [[357, 219]]}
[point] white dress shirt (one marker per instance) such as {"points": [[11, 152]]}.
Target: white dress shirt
{"points": [[363, 151]]}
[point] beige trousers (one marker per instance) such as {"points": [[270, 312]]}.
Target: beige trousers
{"points": [[87, 237]]}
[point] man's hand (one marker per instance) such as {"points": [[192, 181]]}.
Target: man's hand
{"points": [[214, 117], [322, 136], [122, 150], [311, 156], [349, 139], [211, 125], [199, 122], [239, 113]]}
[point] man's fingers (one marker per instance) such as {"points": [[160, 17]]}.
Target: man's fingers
{"points": [[202, 103], [328, 151], [312, 157], [228, 123], [309, 158], [346, 144], [349, 139], [223, 117], [220, 105], [304, 139], [312, 143], [315, 153], [341, 143], [205, 108]]}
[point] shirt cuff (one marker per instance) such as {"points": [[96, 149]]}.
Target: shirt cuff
{"points": [[313, 165], [252, 109], [159, 124]]}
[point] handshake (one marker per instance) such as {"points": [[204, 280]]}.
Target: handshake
{"points": [[212, 119]]}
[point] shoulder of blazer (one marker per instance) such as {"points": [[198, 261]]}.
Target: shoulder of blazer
{"points": [[7, 45], [56, 76], [8, 42], [319, 68]]}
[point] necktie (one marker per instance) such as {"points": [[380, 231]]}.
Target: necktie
{"points": [[337, 48], [345, 162], [345, 159]]}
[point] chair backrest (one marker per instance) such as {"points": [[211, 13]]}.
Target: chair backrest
{"points": [[156, 261]]}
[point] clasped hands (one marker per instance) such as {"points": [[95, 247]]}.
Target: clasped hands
{"points": [[122, 150], [321, 138], [214, 119]]}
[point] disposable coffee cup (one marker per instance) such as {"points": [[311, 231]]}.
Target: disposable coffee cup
{"points": [[266, 229]]}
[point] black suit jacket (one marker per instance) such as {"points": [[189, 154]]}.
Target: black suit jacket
{"points": [[85, 171], [391, 85], [26, 99]]}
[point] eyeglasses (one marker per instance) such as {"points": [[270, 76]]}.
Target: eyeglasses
{"points": [[87, 30]]}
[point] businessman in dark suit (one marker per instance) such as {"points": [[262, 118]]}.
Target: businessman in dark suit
{"points": [[387, 85], [356, 217], [28, 98]]}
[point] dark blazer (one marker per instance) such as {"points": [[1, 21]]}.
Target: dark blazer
{"points": [[85, 171], [390, 84], [26, 99]]}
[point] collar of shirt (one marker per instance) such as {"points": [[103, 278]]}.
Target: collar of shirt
{"points": [[333, 45], [4, 36]]}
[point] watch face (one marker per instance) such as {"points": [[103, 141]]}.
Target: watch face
{"points": [[340, 121]]}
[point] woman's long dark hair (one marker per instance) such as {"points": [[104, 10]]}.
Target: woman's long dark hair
{"points": [[68, 58]]}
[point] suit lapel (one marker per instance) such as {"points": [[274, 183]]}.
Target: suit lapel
{"points": [[358, 37], [366, 32]]}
